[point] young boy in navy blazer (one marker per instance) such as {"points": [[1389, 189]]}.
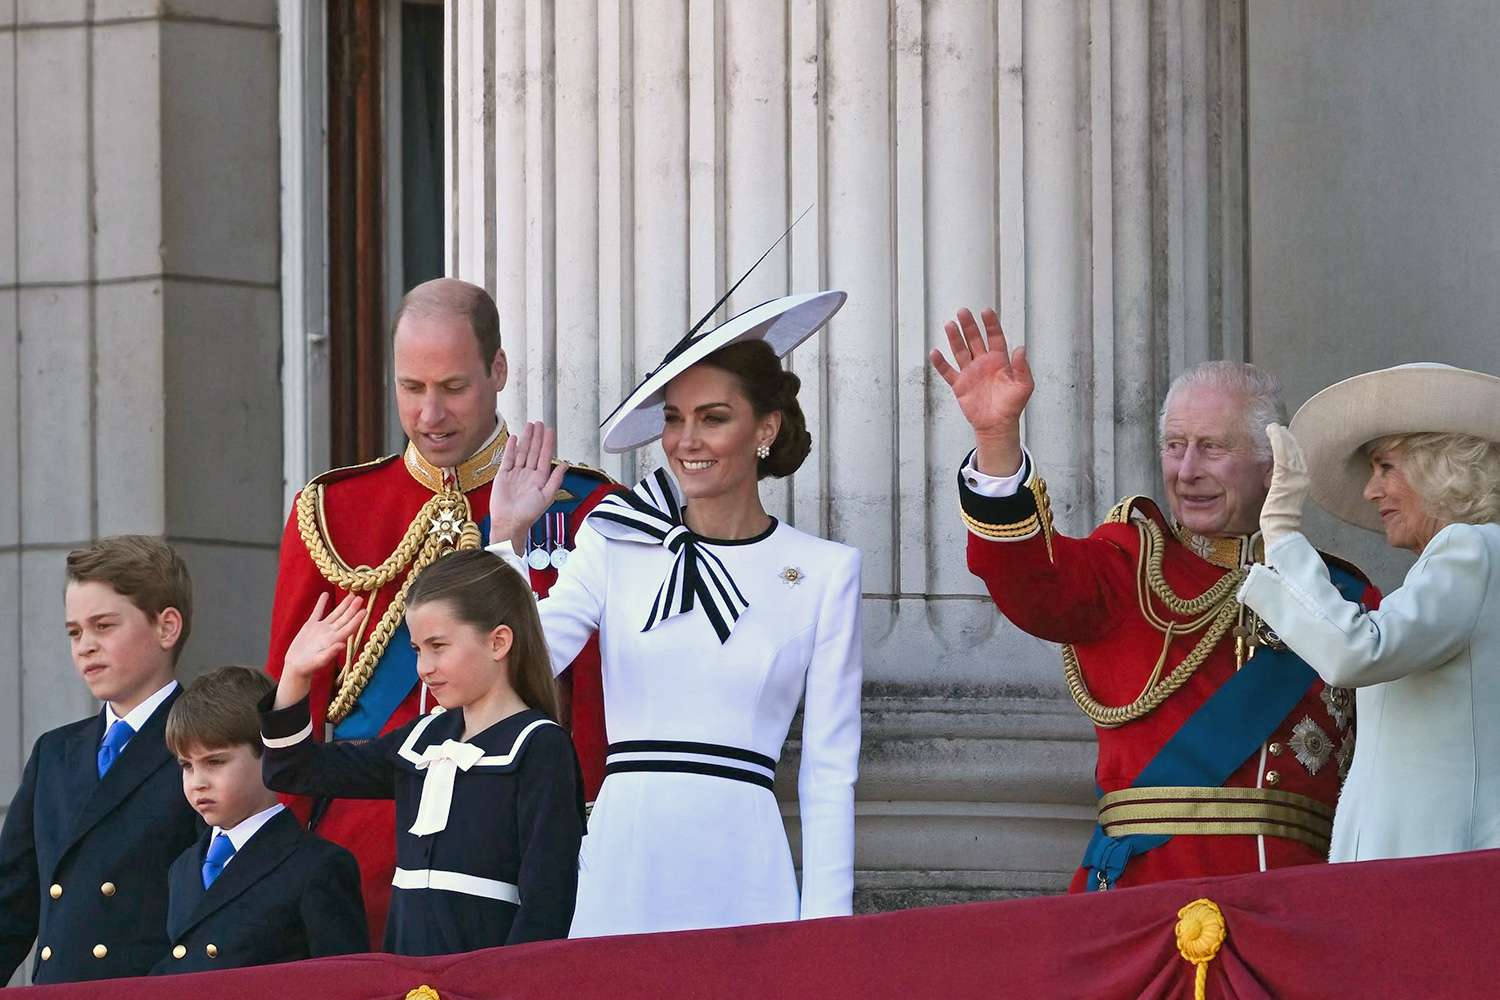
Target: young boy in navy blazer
{"points": [[256, 888], [99, 815]]}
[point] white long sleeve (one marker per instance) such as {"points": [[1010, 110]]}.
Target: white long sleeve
{"points": [[1420, 626], [830, 747], [572, 609]]}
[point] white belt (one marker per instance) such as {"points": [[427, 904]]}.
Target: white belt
{"points": [[470, 885]]}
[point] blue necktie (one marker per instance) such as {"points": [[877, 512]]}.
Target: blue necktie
{"points": [[114, 741], [219, 853]]}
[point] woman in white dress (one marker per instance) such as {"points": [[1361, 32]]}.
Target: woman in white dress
{"points": [[715, 619], [1410, 451]]}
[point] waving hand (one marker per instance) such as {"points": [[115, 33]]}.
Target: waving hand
{"points": [[992, 386]]}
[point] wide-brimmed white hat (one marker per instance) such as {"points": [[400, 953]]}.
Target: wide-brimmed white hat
{"points": [[783, 323], [1334, 426]]}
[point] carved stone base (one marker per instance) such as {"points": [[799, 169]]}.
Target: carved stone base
{"points": [[964, 794], [877, 891]]}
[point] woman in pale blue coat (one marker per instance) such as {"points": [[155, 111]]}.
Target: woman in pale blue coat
{"points": [[1410, 451]]}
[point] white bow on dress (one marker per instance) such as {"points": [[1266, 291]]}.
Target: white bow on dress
{"points": [[442, 764]]}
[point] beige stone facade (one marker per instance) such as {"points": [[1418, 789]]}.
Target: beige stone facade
{"points": [[139, 321], [1137, 186]]}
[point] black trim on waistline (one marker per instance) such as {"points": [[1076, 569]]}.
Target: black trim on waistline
{"points": [[688, 746], [691, 767]]}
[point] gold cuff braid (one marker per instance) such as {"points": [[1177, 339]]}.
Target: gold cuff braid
{"points": [[1040, 520], [1001, 532], [442, 524]]}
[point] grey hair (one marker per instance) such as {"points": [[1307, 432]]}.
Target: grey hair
{"points": [[1455, 476], [1259, 388]]}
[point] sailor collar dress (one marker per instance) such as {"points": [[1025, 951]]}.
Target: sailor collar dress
{"points": [[686, 832], [487, 830]]}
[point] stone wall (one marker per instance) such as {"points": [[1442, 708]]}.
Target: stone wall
{"points": [[1374, 155], [139, 321]]}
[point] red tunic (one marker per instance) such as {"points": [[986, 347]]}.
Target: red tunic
{"points": [[366, 511], [1084, 592]]}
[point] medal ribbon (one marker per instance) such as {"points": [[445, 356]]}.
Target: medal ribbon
{"points": [[651, 514]]}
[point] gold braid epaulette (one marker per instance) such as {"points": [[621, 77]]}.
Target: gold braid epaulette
{"points": [[1122, 512], [1043, 510], [420, 546], [1215, 610]]}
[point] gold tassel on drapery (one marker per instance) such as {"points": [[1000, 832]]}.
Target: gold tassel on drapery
{"points": [[1200, 933]]}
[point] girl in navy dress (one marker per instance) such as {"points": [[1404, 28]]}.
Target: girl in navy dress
{"points": [[489, 805]]}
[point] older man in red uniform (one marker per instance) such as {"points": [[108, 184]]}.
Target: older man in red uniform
{"points": [[369, 529], [1219, 751]]}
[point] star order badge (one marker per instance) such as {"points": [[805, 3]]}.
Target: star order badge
{"points": [[1310, 744], [1340, 704], [791, 576]]}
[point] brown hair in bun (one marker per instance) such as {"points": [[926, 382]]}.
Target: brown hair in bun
{"points": [[770, 389]]}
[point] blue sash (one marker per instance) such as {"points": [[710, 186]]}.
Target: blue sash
{"points": [[1216, 739]]}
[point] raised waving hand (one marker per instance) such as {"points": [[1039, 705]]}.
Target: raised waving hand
{"points": [[317, 645], [992, 386], [526, 483]]}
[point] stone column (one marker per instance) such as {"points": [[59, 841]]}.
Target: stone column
{"points": [[139, 321], [613, 169]]}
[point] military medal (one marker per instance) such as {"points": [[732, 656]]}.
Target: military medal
{"points": [[536, 556], [556, 540]]}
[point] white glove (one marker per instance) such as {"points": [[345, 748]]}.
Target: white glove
{"points": [[1281, 515]]}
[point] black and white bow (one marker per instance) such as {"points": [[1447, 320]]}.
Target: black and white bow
{"points": [[652, 514]]}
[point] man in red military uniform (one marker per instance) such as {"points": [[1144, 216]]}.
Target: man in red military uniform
{"points": [[369, 529], [1219, 751]]}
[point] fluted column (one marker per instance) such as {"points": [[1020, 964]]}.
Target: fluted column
{"points": [[614, 167]]}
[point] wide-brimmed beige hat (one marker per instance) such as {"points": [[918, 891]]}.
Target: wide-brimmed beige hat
{"points": [[1334, 426]]}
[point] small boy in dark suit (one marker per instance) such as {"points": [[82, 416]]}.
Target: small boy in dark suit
{"points": [[256, 889], [99, 816]]}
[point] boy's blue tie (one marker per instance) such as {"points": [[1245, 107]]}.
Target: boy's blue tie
{"points": [[219, 853], [114, 741]]}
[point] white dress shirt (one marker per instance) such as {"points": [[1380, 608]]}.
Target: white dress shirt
{"points": [[240, 834], [995, 486], [138, 716]]}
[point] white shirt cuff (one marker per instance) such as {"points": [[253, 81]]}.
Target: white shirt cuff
{"points": [[995, 487], [506, 551]]}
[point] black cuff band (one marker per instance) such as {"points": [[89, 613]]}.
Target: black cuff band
{"points": [[281, 723], [1005, 519]]}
